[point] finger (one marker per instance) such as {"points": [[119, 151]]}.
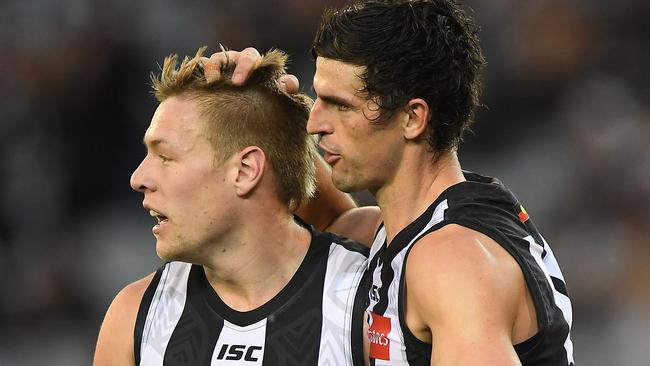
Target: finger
{"points": [[245, 61], [211, 69], [212, 66], [289, 83]]}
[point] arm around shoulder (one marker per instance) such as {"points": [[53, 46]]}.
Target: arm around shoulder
{"points": [[358, 224], [115, 341], [462, 297]]}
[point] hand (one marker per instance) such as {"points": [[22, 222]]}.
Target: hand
{"points": [[245, 63]]}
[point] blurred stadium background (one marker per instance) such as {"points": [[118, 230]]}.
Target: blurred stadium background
{"points": [[566, 125]]}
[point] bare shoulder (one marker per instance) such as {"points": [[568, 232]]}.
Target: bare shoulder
{"points": [[460, 251], [115, 341], [463, 292], [359, 224], [461, 269]]}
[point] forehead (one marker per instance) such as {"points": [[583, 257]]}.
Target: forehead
{"points": [[333, 75], [174, 119]]}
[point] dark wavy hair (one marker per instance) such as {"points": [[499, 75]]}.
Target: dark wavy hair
{"points": [[425, 49]]}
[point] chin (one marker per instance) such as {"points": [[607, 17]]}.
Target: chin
{"points": [[166, 253], [346, 185], [165, 256]]}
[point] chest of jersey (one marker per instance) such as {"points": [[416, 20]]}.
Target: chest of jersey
{"points": [[308, 323]]}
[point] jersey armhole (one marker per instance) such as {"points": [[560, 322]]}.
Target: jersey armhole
{"points": [[531, 284], [527, 346], [143, 310]]}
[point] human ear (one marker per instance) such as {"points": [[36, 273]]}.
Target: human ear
{"points": [[250, 164], [418, 118]]}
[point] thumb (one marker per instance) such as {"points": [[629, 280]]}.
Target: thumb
{"points": [[289, 83]]}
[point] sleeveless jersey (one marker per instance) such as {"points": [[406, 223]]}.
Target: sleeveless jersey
{"points": [[316, 319], [485, 205]]}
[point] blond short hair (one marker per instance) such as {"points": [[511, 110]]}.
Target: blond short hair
{"points": [[256, 114]]}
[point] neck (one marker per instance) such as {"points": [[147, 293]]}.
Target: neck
{"points": [[408, 195], [259, 262]]}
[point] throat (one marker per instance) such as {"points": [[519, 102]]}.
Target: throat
{"points": [[409, 195], [254, 272], [249, 295]]}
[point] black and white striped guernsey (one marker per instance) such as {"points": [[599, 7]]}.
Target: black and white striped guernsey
{"points": [[485, 205], [182, 320]]}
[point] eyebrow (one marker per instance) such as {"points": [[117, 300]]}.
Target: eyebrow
{"points": [[330, 99], [153, 143]]}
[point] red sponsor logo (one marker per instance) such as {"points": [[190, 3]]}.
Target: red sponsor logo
{"points": [[378, 337], [523, 215]]}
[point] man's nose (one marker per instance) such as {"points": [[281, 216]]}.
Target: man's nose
{"points": [[140, 181], [316, 124]]}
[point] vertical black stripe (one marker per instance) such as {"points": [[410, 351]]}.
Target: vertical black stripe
{"points": [[141, 318], [361, 302], [198, 329], [293, 332]]}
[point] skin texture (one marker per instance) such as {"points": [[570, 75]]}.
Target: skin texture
{"points": [[339, 108], [175, 157]]}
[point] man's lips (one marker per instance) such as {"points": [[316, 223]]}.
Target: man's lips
{"points": [[329, 156], [161, 218]]}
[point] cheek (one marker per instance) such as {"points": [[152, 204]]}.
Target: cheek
{"points": [[199, 196], [379, 153], [207, 199]]}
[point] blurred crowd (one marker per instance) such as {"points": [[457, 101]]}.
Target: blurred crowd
{"points": [[565, 124]]}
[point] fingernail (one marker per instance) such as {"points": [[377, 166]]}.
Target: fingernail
{"points": [[237, 78]]}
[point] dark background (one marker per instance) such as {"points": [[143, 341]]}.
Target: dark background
{"points": [[566, 125]]}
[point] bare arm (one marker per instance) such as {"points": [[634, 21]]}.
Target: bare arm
{"points": [[115, 341], [463, 293]]}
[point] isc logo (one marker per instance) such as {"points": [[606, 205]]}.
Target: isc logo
{"points": [[236, 352]]}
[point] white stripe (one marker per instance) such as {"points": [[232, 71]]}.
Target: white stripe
{"points": [[550, 267], [342, 276], [164, 313], [396, 335]]}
